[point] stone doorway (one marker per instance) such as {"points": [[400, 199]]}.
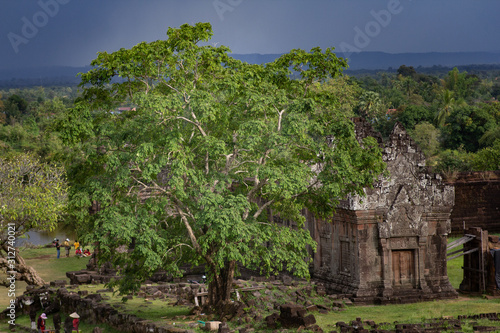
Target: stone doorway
{"points": [[403, 269]]}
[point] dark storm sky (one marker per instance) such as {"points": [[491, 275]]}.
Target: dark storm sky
{"points": [[71, 32]]}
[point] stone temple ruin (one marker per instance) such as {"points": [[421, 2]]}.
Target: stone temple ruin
{"points": [[389, 246]]}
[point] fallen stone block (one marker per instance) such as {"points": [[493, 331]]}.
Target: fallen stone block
{"points": [[212, 325], [83, 278]]}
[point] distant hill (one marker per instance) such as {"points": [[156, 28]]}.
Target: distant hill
{"points": [[381, 60], [58, 75], [384, 61], [41, 76]]}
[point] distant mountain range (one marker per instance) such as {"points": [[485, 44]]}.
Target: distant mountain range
{"points": [[381, 60], [357, 61], [384, 61]]}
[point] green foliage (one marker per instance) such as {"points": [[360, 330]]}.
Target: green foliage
{"points": [[495, 91], [458, 160], [33, 130], [426, 136], [462, 84], [406, 84], [395, 98], [415, 114], [214, 151], [459, 104], [454, 161], [32, 195], [448, 103], [342, 93], [404, 71], [466, 125], [487, 158], [371, 106]]}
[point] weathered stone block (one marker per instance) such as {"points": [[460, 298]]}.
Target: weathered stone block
{"points": [[82, 278], [287, 280], [212, 325]]}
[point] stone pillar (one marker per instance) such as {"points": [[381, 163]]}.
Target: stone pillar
{"points": [[386, 267], [420, 263]]}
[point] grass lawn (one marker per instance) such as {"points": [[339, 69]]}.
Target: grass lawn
{"points": [[45, 262], [411, 313]]}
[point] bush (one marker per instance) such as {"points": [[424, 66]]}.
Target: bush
{"points": [[454, 161], [487, 158]]}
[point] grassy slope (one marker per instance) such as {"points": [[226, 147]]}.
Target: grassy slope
{"points": [[45, 262]]}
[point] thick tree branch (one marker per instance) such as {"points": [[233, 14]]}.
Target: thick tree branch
{"points": [[261, 209], [23, 272], [191, 234], [280, 114], [178, 245], [194, 123]]}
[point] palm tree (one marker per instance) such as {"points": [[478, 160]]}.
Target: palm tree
{"points": [[447, 105], [407, 84], [490, 136], [370, 105]]}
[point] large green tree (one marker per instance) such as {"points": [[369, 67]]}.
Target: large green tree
{"points": [[32, 197], [212, 152]]}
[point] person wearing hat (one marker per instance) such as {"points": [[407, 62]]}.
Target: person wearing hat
{"points": [[58, 248], [67, 246], [41, 323], [76, 320]]}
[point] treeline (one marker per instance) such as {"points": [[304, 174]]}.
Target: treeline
{"points": [[454, 116], [27, 118], [482, 71], [37, 82]]}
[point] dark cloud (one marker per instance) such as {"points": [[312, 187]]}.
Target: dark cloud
{"points": [[71, 32]]}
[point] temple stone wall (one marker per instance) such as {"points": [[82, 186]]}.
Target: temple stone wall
{"points": [[390, 245], [477, 201]]}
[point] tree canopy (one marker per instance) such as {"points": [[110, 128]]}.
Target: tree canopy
{"points": [[32, 196], [208, 155]]}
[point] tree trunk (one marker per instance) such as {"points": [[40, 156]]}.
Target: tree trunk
{"points": [[23, 272], [220, 286]]}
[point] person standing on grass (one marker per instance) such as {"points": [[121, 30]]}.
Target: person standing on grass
{"points": [[67, 246], [76, 244], [41, 323], [76, 320], [58, 248]]}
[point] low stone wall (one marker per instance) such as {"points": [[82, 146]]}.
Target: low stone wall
{"points": [[92, 310], [60, 298]]}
